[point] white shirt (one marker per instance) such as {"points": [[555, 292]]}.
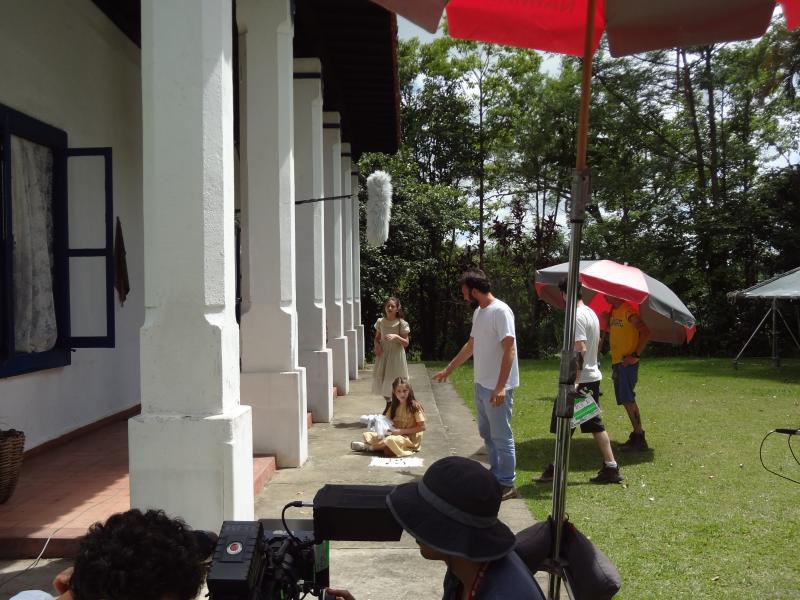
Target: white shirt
{"points": [[587, 329], [490, 326]]}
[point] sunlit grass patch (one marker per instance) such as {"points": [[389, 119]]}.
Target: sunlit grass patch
{"points": [[698, 516]]}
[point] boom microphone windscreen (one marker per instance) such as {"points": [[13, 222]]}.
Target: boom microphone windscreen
{"points": [[379, 207]]}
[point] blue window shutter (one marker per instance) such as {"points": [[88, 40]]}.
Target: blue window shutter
{"points": [[15, 123], [85, 292]]}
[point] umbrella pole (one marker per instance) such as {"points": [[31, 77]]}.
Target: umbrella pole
{"points": [[566, 392]]}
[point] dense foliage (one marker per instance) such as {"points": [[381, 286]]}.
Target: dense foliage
{"points": [[696, 180]]}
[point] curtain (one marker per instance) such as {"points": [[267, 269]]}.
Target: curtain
{"points": [[32, 227]]}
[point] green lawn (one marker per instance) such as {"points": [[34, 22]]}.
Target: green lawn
{"points": [[698, 517]]}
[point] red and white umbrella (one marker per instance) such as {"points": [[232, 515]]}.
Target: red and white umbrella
{"points": [[631, 25], [659, 307]]}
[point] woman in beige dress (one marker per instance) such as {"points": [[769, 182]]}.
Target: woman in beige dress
{"points": [[408, 418], [391, 340]]}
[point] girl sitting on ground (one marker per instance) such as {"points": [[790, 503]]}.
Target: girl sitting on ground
{"points": [[408, 418]]}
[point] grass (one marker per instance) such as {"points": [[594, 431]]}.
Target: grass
{"points": [[698, 517]]}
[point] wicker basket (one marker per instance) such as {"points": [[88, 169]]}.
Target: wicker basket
{"points": [[12, 443]]}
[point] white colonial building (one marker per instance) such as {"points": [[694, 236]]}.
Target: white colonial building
{"points": [[194, 130]]}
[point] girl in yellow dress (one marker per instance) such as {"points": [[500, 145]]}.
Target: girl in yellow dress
{"points": [[408, 418]]}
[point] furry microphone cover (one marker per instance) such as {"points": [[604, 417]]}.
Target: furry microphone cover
{"points": [[379, 207]]}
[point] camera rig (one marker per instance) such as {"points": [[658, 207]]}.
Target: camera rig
{"points": [[275, 559]]}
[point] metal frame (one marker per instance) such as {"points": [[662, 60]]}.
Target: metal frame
{"points": [[776, 360], [107, 252], [581, 186]]}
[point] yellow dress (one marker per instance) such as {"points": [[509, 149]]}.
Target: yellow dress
{"points": [[391, 364], [401, 445]]}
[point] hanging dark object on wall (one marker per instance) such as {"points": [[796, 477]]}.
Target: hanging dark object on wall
{"points": [[121, 283]]}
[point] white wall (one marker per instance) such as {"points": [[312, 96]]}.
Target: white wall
{"points": [[63, 62]]}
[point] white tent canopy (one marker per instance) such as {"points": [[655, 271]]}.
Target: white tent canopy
{"points": [[781, 287], [785, 286]]}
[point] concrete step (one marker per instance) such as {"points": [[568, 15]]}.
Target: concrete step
{"points": [[264, 467]]}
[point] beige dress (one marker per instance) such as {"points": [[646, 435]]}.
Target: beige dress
{"points": [[391, 364], [401, 445]]}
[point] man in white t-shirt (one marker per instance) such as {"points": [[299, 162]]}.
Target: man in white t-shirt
{"points": [[587, 342], [492, 344]]}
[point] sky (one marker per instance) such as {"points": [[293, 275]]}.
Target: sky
{"points": [[407, 30]]}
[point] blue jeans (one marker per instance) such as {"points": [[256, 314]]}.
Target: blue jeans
{"points": [[494, 425]]}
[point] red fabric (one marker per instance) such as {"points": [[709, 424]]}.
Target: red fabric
{"points": [[602, 309], [550, 25], [791, 10], [614, 279]]}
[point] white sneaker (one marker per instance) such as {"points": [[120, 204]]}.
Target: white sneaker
{"points": [[358, 446]]}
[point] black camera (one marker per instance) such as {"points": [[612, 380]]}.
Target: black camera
{"points": [[274, 559]]}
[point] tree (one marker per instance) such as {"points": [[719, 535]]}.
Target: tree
{"points": [[695, 178]]}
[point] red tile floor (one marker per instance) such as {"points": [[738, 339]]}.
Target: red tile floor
{"points": [[63, 490]]}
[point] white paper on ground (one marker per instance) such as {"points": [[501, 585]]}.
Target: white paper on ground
{"points": [[410, 461]]}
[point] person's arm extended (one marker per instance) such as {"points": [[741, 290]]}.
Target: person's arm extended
{"points": [[458, 360], [509, 350]]}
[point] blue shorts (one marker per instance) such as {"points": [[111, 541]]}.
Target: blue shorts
{"points": [[625, 378]]}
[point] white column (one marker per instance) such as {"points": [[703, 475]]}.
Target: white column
{"points": [[334, 284], [310, 238], [347, 260], [359, 326], [273, 383], [190, 450]]}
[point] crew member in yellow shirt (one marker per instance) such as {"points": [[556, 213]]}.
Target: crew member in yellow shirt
{"points": [[628, 337]]}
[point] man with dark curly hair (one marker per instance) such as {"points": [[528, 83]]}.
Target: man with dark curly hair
{"points": [[133, 555]]}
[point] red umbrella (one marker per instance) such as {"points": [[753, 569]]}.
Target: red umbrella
{"points": [[631, 25], [662, 311]]}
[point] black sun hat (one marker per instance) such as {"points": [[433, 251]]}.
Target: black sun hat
{"points": [[453, 509]]}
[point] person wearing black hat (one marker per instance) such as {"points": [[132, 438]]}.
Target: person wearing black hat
{"points": [[452, 514]]}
